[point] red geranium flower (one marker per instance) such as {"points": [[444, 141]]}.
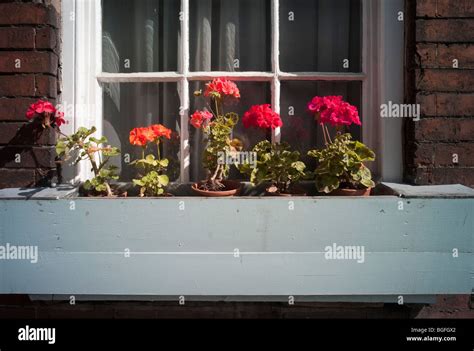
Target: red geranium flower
{"points": [[222, 87], [333, 110], [261, 116], [159, 131], [47, 112], [199, 118], [137, 137], [59, 120]]}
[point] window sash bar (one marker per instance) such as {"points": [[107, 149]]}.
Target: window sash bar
{"points": [[238, 76], [275, 89], [183, 86]]}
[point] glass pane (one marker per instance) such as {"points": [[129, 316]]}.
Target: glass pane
{"points": [[229, 35], [299, 127], [320, 35], [130, 105], [252, 93], [140, 35]]}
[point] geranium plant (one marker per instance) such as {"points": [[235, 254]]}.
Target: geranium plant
{"points": [[275, 163], [85, 147], [46, 113], [341, 162], [217, 125], [152, 180]]}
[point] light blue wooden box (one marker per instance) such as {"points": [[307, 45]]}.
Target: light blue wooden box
{"points": [[417, 244]]}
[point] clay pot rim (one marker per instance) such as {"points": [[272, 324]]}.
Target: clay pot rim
{"points": [[351, 192], [218, 193], [268, 193]]}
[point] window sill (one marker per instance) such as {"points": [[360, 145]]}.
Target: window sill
{"points": [[241, 247]]}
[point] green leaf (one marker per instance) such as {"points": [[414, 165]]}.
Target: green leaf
{"points": [[164, 162], [163, 179], [327, 183]]}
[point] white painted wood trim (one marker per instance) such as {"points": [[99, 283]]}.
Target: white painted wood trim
{"points": [[88, 93], [330, 76], [139, 77], [390, 87], [183, 87], [276, 133], [68, 78], [370, 93], [237, 76]]}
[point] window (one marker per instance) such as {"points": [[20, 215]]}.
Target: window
{"points": [[138, 62]]}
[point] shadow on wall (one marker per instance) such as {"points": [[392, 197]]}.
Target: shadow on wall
{"points": [[32, 148]]}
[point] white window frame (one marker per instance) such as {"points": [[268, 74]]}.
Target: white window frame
{"points": [[381, 77]]}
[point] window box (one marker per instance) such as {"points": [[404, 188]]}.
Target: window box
{"points": [[258, 248]]}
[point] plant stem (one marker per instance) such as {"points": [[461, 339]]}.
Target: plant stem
{"points": [[94, 164], [158, 149], [214, 176], [216, 103], [324, 134], [329, 135]]}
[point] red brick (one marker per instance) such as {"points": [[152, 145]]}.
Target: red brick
{"points": [[446, 104], [26, 134], [27, 13], [17, 38], [445, 8], [455, 104], [30, 157], [16, 178], [444, 175], [19, 85], [14, 109], [445, 30], [444, 129], [441, 154], [77, 311], [28, 62], [445, 80], [46, 86], [46, 38], [427, 104], [426, 8], [17, 312], [442, 56]]}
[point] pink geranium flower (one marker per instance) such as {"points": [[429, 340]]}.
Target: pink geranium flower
{"points": [[333, 110], [199, 118], [262, 116]]}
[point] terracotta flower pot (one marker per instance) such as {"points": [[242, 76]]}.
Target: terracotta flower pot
{"points": [[232, 188], [351, 192]]}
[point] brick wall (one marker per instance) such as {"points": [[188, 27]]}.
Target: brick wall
{"points": [[29, 70], [442, 31]]}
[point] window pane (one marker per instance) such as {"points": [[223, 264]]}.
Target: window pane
{"points": [[252, 93], [229, 35], [130, 105], [319, 35], [140, 35], [299, 127]]}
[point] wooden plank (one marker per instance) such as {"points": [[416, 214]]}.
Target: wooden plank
{"points": [[430, 191], [177, 248]]}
